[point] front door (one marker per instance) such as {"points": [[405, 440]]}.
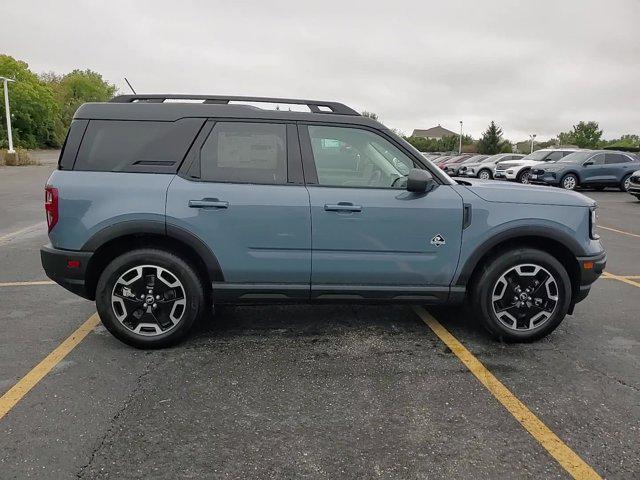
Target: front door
{"points": [[241, 198], [371, 237], [594, 173]]}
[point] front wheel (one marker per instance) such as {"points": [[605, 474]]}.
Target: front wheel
{"points": [[484, 175], [524, 177], [569, 181], [522, 295], [149, 298]]}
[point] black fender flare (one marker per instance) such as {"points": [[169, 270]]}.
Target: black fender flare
{"points": [[159, 228], [513, 233]]}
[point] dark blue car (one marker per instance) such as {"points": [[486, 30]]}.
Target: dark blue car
{"points": [[588, 168]]}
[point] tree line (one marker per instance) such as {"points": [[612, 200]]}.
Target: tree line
{"points": [[42, 106]]}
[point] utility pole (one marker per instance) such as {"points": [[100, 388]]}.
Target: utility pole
{"points": [[8, 112], [460, 144], [533, 137]]}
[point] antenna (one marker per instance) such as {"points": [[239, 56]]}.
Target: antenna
{"points": [[134, 92]]}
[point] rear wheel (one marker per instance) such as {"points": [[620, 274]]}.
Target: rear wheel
{"points": [[626, 183], [523, 295], [569, 181], [524, 177], [149, 298], [484, 174]]}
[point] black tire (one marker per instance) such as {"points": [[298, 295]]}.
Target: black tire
{"points": [[523, 176], [189, 282], [486, 283], [624, 184], [569, 182], [490, 175]]}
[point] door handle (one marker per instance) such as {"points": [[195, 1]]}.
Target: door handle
{"points": [[342, 207], [208, 203]]}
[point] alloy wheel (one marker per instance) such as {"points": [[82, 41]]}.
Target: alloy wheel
{"points": [[525, 297], [569, 183], [525, 178], [148, 300], [626, 184], [484, 175]]}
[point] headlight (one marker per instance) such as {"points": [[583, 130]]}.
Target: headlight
{"points": [[592, 223]]}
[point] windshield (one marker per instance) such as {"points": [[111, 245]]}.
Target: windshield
{"points": [[577, 157], [539, 155]]}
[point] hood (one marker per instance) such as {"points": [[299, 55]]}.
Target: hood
{"points": [[509, 192]]}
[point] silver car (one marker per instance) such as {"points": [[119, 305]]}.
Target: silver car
{"points": [[485, 168]]}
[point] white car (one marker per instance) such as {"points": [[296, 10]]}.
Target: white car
{"points": [[519, 170], [485, 168]]}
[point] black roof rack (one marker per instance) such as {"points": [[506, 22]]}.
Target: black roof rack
{"points": [[314, 105]]}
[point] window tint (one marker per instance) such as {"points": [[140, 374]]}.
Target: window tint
{"points": [[554, 156], [597, 159], [119, 145], [353, 157], [616, 158], [245, 153]]}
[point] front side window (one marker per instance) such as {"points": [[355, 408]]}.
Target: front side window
{"points": [[353, 157], [245, 153]]}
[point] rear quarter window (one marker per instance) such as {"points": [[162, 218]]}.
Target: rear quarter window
{"points": [[136, 146]]}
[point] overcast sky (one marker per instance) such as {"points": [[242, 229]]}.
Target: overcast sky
{"points": [[533, 67]]}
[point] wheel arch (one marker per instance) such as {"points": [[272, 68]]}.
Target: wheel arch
{"points": [[120, 238], [561, 246]]}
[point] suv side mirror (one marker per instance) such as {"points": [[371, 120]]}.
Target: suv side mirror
{"points": [[419, 181], [586, 164]]}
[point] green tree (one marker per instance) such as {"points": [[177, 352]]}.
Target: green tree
{"points": [[584, 135], [371, 115], [75, 88], [491, 141], [34, 111]]}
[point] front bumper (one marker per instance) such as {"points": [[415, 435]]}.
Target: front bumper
{"points": [[546, 178], [590, 270], [67, 268], [634, 189]]}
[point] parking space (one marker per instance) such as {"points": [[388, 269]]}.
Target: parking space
{"points": [[315, 392]]}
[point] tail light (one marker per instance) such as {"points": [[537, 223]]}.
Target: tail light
{"points": [[51, 206]]}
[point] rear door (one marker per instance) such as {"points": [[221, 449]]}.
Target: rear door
{"points": [[244, 196], [371, 237], [617, 166]]}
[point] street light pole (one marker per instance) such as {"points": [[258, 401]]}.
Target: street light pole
{"points": [[460, 144], [532, 139], [8, 112]]}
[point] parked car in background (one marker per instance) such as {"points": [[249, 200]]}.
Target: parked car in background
{"points": [[453, 169], [634, 184], [588, 168], [486, 167], [441, 159], [519, 171], [454, 160]]}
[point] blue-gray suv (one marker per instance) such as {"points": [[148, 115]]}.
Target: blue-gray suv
{"points": [[163, 206], [588, 168]]}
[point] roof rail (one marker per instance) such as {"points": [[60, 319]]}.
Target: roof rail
{"points": [[314, 105]]}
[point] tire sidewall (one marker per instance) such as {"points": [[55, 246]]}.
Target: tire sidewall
{"points": [[178, 267], [624, 179], [488, 173], [498, 266], [526, 172]]}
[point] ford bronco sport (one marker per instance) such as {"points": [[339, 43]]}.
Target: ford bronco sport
{"points": [[162, 207]]}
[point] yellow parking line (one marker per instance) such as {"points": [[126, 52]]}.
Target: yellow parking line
{"points": [[27, 284], [626, 280], [620, 231], [566, 457], [31, 379]]}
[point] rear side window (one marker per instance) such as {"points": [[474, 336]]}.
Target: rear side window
{"points": [[612, 158], [136, 146], [245, 153]]}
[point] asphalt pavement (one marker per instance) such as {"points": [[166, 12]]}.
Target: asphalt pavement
{"points": [[312, 391]]}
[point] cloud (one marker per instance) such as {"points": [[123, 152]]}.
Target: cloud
{"points": [[533, 68]]}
